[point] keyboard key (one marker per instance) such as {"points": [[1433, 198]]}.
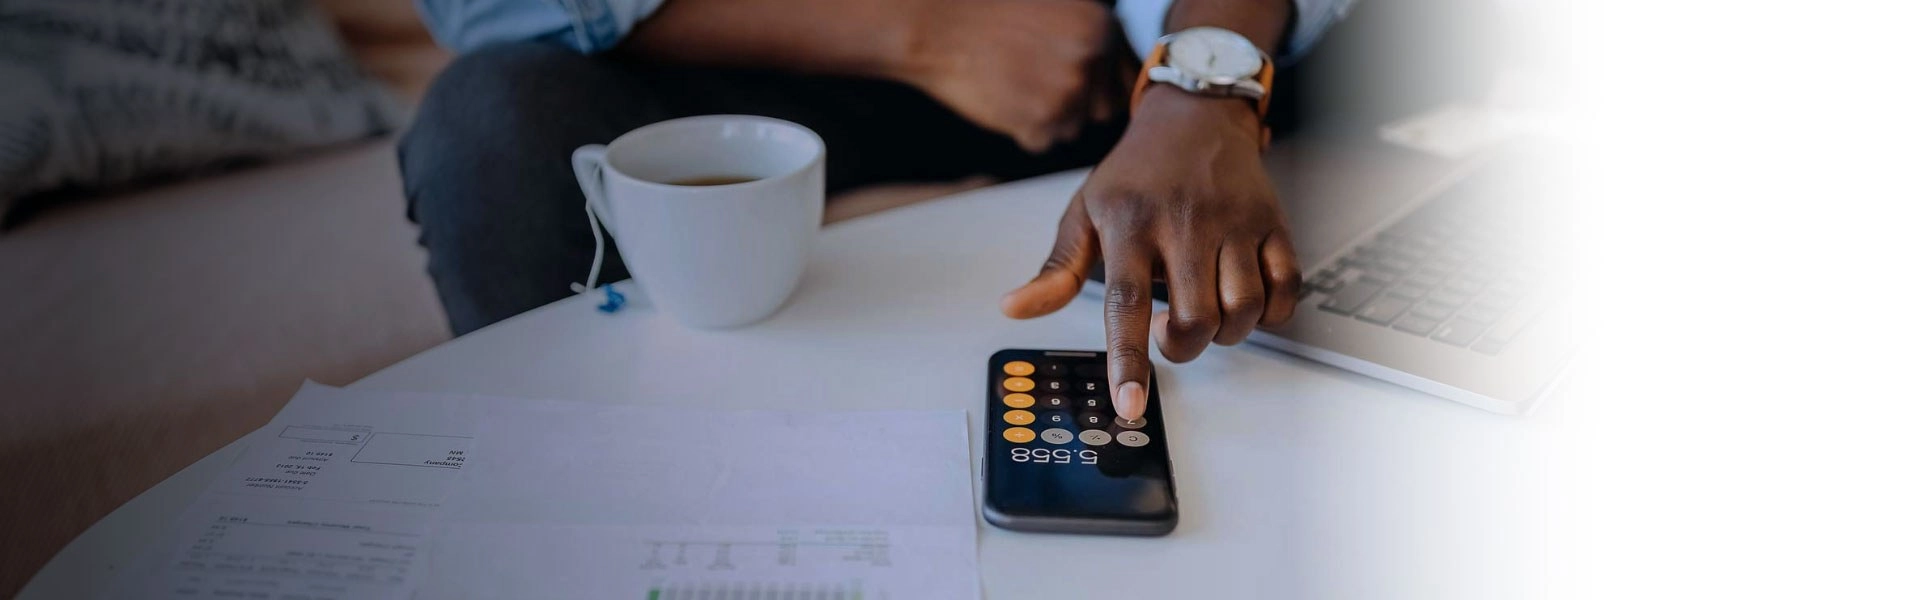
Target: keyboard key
{"points": [[1054, 402], [1349, 298], [1380, 277], [1459, 333], [1427, 278], [1053, 386], [1327, 280], [1132, 439], [1018, 384], [1091, 386], [1448, 299], [1410, 292], [1092, 370], [1093, 403], [1018, 435], [1017, 368], [1479, 314], [1417, 325], [1131, 423], [1018, 400], [1053, 369], [1383, 310], [1055, 418], [1433, 311], [1095, 437]]}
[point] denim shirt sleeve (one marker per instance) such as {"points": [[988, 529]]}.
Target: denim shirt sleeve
{"points": [[1144, 21], [587, 26]]}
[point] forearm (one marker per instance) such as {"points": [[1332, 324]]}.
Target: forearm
{"points": [[1263, 22], [867, 38]]}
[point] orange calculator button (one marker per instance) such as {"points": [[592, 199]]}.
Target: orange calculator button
{"points": [[1018, 384], [1018, 368], [1018, 400], [1018, 435], [1019, 417]]}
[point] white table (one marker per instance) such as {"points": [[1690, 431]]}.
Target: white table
{"points": [[1295, 479]]}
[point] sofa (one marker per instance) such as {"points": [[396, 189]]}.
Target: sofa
{"points": [[146, 328]]}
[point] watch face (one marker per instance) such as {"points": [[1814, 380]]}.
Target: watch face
{"points": [[1214, 55]]}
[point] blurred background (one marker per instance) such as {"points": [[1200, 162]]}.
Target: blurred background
{"points": [[202, 209]]}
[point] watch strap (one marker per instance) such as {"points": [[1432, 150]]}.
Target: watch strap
{"points": [[1158, 57]]}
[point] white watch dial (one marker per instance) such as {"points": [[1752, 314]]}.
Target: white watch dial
{"points": [[1214, 55]]}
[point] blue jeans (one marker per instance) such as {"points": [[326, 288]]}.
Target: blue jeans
{"points": [[488, 178]]}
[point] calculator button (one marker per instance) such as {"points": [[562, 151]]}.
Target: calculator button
{"points": [[1093, 420], [1055, 418], [1091, 386], [1095, 437], [1132, 439], [1053, 369], [1018, 368], [1018, 417], [1018, 384], [1056, 436], [1018, 435], [1053, 386], [1055, 402], [1091, 403], [1096, 370], [1018, 400], [1131, 423]]}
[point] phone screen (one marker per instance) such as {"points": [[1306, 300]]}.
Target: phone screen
{"points": [[1058, 458]]}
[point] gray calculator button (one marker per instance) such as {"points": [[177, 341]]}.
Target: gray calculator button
{"points": [[1132, 439], [1131, 423], [1095, 437], [1056, 436]]}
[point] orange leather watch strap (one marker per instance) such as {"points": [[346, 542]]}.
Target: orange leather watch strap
{"points": [[1159, 55], [1154, 58]]}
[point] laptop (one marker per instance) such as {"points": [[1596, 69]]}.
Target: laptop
{"points": [[1440, 275]]}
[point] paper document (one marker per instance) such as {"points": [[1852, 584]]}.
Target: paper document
{"points": [[352, 494], [658, 503], [335, 498]]}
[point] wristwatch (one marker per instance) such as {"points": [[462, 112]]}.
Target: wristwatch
{"points": [[1209, 61]]}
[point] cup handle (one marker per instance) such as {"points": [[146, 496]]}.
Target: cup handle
{"points": [[589, 166], [588, 163]]}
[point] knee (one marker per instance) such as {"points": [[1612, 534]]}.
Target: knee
{"points": [[486, 102]]}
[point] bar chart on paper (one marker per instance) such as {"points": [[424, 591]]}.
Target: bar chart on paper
{"points": [[758, 590], [707, 562]]}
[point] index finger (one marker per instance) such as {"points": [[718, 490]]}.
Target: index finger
{"points": [[1129, 316]]}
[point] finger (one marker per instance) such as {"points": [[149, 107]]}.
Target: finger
{"points": [[1129, 307], [1060, 278], [1243, 292], [1282, 275], [1193, 301]]}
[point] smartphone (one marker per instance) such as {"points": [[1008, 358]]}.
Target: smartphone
{"points": [[1058, 459]]}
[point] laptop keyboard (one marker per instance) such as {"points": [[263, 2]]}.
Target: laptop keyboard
{"points": [[1454, 271]]}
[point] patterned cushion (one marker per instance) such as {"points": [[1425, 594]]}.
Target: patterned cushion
{"points": [[102, 93]]}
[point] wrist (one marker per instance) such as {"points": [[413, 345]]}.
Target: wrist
{"points": [[1163, 106]]}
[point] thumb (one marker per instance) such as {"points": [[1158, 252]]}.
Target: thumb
{"points": [[1074, 252]]}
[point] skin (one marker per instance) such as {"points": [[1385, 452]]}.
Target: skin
{"points": [[1182, 197]]}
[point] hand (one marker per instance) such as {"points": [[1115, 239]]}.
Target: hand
{"points": [[1034, 70], [1184, 194]]}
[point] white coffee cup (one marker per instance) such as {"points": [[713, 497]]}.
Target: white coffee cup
{"points": [[712, 256]]}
